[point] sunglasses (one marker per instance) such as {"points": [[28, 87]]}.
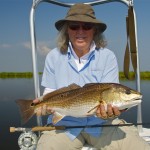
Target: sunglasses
{"points": [[85, 26]]}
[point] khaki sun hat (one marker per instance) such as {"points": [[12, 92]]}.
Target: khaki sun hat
{"points": [[81, 12]]}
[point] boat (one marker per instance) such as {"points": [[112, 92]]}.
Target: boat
{"points": [[28, 138]]}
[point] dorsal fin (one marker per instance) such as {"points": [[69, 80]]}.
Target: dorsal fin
{"points": [[97, 86], [73, 86], [61, 90], [89, 84]]}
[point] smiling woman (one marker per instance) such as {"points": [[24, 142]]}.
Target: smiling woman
{"points": [[81, 36]]}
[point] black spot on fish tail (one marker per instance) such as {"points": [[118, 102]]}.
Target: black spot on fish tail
{"points": [[26, 109]]}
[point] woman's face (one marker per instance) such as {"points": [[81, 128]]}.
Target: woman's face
{"points": [[81, 35]]}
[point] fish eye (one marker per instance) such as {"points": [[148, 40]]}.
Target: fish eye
{"points": [[128, 91]]}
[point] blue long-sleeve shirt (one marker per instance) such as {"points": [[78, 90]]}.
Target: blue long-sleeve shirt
{"points": [[99, 66]]}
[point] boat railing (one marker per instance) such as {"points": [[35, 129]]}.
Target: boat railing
{"points": [[35, 4], [34, 48]]}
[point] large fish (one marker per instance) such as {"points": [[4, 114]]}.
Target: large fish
{"points": [[82, 101]]}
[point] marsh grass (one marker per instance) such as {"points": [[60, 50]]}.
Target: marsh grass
{"points": [[143, 75], [4, 75]]}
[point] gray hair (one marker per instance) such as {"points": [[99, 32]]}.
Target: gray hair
{"points": [[63, 39]]}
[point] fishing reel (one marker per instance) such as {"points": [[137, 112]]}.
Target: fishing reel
{"points": [[27, 141]]}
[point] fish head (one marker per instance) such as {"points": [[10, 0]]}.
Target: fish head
{"points": [[121, 96]]}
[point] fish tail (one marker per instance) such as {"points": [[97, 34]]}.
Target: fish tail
{"points": [[26, 109]]}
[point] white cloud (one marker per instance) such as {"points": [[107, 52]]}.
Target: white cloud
{"points": [[5, 46], [27, 45], [43, 47]]}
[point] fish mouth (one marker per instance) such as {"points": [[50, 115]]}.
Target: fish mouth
{"points": [[129, 104], [138, 98], [123, 110]]}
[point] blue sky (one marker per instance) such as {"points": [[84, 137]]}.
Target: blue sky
{"points": [[15, 48]]}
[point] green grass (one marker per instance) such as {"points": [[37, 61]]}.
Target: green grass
{"points": [[4, 75], [145, 75]]}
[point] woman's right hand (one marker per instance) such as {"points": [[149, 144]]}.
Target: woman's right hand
{"points": [[42, 110]]}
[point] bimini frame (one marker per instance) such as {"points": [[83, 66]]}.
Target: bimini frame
{"points": [[128, 3]]}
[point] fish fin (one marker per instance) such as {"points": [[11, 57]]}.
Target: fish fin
{"points": [[91, 111], [103, 102], [61, 90], [104, 86], [74, 86], [26, 109], [57, 117], [89, 84]]}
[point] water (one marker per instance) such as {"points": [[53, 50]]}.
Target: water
{"points": [[13, 89]]}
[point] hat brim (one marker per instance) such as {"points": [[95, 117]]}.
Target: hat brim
{"points": [[102, 26]]}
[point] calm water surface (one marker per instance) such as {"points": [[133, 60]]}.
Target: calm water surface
{"points": [[13, 89]]}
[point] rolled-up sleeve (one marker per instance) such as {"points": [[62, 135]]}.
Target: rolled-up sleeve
{"points": [[48, 78]]}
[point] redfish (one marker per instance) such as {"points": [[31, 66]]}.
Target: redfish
{"points": [[83, 101]]}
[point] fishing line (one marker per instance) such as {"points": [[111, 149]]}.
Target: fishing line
{"points": [[103, 125]]}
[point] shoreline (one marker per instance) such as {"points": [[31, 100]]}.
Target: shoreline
{"points": [[144, 75]]}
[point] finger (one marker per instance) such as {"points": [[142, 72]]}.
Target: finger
{"points": [[44, 110], [110, 112], [38, 111], [49, 110], [98, 112], [116, 111], [35, 101], [103, 111]]}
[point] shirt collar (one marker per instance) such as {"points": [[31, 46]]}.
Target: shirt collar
{"points": [[86, 56]]}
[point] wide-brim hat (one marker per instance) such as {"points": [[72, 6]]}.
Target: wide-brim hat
{"points": [[82, 13]]}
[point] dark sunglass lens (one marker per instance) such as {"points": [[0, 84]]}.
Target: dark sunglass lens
{"points": [[87, 26], [74, 26]]}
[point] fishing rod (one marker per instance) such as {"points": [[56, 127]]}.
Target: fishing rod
{"points": [[49, 127], [28, 139]]}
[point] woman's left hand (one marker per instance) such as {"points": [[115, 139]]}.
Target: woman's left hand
{"points": [[110, 113]]}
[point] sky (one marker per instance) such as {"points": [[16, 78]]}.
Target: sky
{"points": [[15, 45]]}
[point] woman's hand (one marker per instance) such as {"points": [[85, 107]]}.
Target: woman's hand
{"points": [[110, 113], [43, 109]]}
